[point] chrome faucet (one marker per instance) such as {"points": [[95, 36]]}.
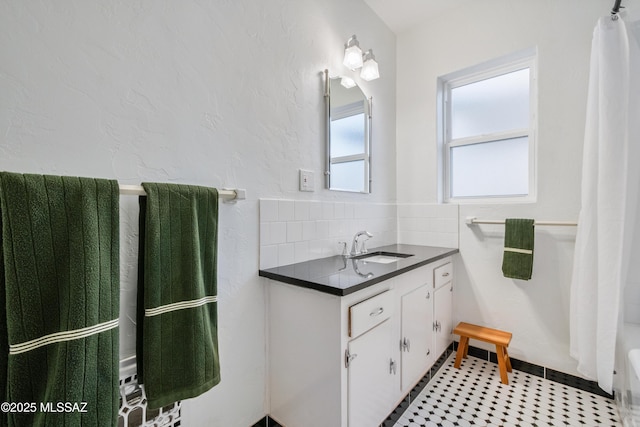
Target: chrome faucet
{"points": [[354, 245]]}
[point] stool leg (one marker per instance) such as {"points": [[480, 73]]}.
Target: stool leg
{"points": [[466, 348], [464, 341], [508, 360], [502, 364]]}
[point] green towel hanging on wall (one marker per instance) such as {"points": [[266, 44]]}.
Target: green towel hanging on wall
{"points": [[177, 338], [59, 299], [517, 262]]}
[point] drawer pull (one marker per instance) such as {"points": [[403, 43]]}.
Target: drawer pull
{"points": [[445, 274], [377, 312]]}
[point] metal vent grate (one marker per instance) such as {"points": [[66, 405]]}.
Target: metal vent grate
{"points": [[134, 412]]}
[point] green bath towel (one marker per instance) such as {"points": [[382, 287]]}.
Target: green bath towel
{"points": [[59, 300], [177, 339], [518, 248]]}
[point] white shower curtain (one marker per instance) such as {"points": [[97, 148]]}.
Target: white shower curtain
{"points": [[609, 199]]}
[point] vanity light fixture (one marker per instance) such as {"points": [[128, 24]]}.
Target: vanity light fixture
{"points": [[347, 82], [369, 67], [352, 54], [354, 59]]}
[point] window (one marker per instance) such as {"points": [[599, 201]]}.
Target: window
{"points": [[487, 126]]}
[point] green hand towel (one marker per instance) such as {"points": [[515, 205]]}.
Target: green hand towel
{"points": [[517, 262], [59, 299], [177, 339]]}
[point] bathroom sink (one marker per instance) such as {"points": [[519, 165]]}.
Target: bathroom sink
{"points": [[382, 257]]}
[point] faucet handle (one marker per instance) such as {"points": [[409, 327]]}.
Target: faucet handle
{"points": [[344, 248], [363, 248]]}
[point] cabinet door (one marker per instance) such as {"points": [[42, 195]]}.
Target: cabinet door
{"points": [[371, 377], [443, 317], [417, 335]]}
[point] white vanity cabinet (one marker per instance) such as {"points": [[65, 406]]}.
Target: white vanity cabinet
{"points": [[370, 360], [347, 361], [372, 376], [443, 306], [416, 332]]}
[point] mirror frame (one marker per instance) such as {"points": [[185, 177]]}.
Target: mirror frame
{"points": [[368, 122]]}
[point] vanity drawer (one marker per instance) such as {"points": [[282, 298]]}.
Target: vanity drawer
{"points": [[442, 275], [370, 312]]}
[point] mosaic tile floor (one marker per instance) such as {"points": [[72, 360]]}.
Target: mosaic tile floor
{"points": [[474, 396]]}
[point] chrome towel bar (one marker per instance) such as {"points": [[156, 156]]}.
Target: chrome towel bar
{"points": [[471, 220], [226, 194]]}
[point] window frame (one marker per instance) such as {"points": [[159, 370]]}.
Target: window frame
{"points": [[495, 68]]}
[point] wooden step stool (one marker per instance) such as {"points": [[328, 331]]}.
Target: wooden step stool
{"points": [[500, 338]]}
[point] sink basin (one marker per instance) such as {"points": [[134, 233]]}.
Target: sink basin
{"points": [[381, 257]]}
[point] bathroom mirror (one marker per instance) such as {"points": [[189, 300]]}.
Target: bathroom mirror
{"points": [[348, 134]]}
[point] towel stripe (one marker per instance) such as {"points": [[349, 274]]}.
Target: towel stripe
{"points": [[520, 251], [62, 336], [148, 312]]}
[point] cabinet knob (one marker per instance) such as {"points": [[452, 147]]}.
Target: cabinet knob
{"points": [[406, 344], [428, 295], [392, 366]]}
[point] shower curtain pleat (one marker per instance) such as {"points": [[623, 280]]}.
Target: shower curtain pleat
{"points": [[609, 199]]}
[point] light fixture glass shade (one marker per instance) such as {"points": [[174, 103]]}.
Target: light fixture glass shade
{"points": [[347, 82], [352, 54], [369, 67]]}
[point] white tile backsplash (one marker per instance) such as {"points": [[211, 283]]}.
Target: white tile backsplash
{"points": [[301, 251], [327, 210], [286, 254], [294, 231], [309, 230], [268, 255], [286, 210], [278, 233], [322, 229], [302, 210], [428, 224], [315, 211], [268, 210], [348, 211], [299, 230]]}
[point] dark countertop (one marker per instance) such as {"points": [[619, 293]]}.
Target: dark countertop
{"points": [[340, 276]]}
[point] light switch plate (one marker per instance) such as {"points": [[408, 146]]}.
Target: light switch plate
{"points": [[306, 180]]}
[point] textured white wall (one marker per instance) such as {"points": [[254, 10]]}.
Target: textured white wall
{"points": [[537, 311], [218, 93]]}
